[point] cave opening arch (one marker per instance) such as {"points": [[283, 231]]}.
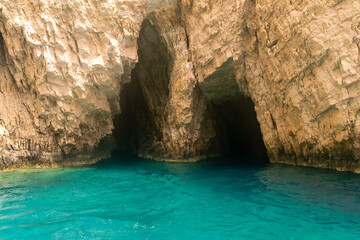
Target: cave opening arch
{"points": [[143, 101], [144, 98], [238, 135]]}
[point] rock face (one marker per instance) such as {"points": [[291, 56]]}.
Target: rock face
{"points": [[180, 80], [61, 67], [303, 74]]}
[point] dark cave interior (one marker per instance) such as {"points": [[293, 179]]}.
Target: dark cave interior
{"points": [[238, 133], [143, 100]]}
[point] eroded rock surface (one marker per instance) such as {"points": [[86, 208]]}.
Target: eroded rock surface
{"points": [[61, 67], [157, 74]]}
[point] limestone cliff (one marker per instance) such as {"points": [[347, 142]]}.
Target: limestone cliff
{"points": [[159, 76], [61, 67]]}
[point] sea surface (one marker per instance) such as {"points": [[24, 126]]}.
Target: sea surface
{"points": [[129, 198]]}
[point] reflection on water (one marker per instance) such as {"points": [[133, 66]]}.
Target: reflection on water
{"points": [[127, 198]]}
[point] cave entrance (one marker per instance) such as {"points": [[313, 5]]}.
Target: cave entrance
{"points": [[144, 98], [143, 102], [238, 133]]}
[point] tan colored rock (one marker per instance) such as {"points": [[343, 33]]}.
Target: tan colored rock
{"points": [[61, 67], [66, 67], [299, 63], [303, 74]]}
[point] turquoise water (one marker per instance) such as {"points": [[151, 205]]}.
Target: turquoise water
{"points": [[139, 199]]}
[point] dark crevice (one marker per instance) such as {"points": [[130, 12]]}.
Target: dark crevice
{"points": [[135, 118], [3, 50], [2, 59], [143, 100]]}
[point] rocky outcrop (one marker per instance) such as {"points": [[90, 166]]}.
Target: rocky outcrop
{"points": [[60, 69], [306, 56], [180, 80], [299, 63]]}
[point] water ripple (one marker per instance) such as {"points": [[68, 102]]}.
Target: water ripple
{"points": [[151, 200]]}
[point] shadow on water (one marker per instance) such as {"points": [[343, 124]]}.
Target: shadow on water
{"points": [[220, 163], [118, 160], [295, 186]]}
